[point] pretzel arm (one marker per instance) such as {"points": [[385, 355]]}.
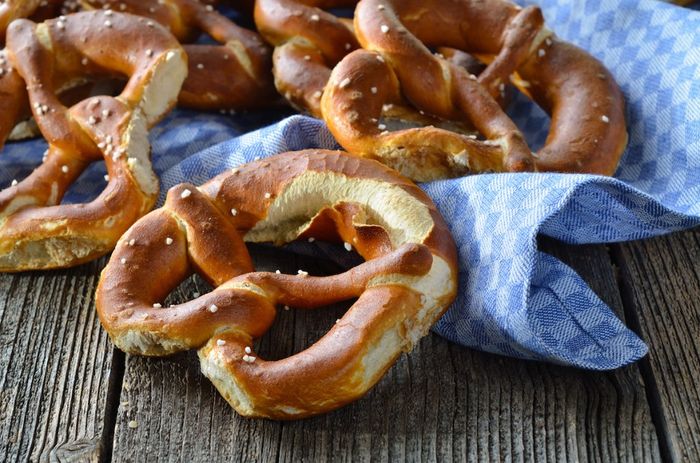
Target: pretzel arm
{"points": [[488, 117], [309, 292], [518, 44], [45, 186], [213, 241]]}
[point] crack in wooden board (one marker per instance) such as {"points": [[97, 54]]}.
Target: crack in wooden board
{"points": [[54, 366], [662, 278]]}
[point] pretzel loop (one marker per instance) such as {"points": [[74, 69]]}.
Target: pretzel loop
{"points": [[35, 231], [405, 284]]}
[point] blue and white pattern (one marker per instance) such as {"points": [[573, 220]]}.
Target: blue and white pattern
{"points": [[513, 299]]}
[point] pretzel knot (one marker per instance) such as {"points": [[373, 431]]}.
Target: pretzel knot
{"points": [[587, 128], [232, 75], [36, 232], [406, 283], [308, 43]]}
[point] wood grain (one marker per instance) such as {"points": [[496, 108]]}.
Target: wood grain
{"points": [[55, 363], [662, 280], [442, 402]]}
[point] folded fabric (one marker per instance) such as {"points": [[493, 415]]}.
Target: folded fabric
{"points": [[513, 299]]}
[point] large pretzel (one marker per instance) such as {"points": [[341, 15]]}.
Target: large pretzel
{"points": [[233, 75], [35, 232], [587, 130], [406, 283], [308, 43]]}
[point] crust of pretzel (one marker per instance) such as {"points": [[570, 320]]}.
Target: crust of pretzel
{"points": [[234, 75], [588, 132], [308, 42], [405, 285], [35, 231], [13, 9], [14, 103]]}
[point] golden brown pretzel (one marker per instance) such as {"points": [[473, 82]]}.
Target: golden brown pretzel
{"points": [[36, 232], [233, 75], [406, 283], [588, 127], [308, 43]]}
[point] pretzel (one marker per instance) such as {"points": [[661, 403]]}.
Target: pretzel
{"points": [[587, 128], [233, 75], [308, 43], [36, 232], [406, 283]]}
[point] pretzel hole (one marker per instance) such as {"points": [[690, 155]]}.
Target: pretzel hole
{"points": [[520, 107], [82, 190], [306, 326], [532, 120], [397, 117], [293, 330]]}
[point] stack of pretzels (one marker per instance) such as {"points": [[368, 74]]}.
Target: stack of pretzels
{"points": [[412, 91]]}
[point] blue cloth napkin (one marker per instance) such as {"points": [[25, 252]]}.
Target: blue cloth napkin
{"points": [[513, 299]]}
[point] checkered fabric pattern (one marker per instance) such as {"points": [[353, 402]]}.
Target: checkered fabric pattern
{"points": [[513, 299]]}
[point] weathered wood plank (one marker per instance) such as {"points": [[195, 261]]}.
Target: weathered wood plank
{"points": [[55, 363], [661, 277], [439, 403]]}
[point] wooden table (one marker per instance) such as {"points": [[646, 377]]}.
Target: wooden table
{"points": [[67, 394]]}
